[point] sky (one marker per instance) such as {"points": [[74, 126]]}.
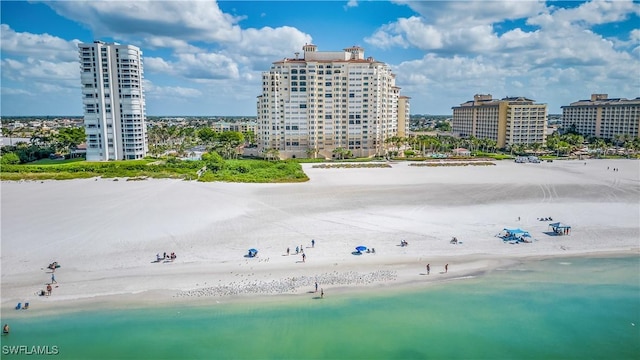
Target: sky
{"points": [[205, 58]]}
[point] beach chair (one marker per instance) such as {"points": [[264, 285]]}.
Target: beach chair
{"points": [[26, 306], [19, 306]]}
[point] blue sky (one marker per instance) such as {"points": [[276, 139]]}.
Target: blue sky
{"points": [[206, 57]]}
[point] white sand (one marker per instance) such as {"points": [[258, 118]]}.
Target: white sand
{"points": [[106, 234]]}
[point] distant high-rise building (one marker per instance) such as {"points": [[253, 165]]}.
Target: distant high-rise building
{"points": [[324, 100], [113, 100], [603, 117], [404, 115], [509, 121]]}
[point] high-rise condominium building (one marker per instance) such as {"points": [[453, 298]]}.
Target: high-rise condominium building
{"points": [[509, 121], [603, 117], [323, 100], [404, 115], [113, 99]]}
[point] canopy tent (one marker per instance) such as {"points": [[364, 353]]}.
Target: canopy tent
{"points": [[514, 235], [517, 231], [560, 228]]}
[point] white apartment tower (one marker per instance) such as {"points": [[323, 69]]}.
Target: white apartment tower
{"points": [[603, 117], [509, 121], [323, 100], [113, 101]]}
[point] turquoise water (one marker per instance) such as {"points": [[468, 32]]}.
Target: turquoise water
{"points": [[575, 308]]}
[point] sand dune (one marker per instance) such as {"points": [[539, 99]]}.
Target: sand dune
{"points": [[106, 233]]}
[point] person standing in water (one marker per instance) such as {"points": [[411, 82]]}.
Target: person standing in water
{"points": [[5, 329]]}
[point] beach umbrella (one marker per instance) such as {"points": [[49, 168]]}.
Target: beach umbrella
{"points": [[361, 248], [253, 250]]}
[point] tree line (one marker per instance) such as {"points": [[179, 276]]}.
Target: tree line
{"points": [[42, 143]]}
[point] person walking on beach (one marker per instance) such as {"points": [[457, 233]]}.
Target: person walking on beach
{"points": [[313, 243], [316, 286], [297, 250], [446, 268], [322, 293], [303, 257], [428, 268], [49, 289], [287, 251], [53, 279]]}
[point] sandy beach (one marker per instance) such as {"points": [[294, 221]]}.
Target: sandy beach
{"points": [[105, 234]]}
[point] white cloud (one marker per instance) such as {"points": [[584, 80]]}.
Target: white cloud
{"points": [[32, 71], [43, 46], [129, 20], [15, 91], [383, 38], [205, 66], [557, 53], [352, 3], [473, 12], [418, 33], [160, 92], [589, 13], [271, 42]]}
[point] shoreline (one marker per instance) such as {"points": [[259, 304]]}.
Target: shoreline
{"points": [[410, 278], [105, 234]]}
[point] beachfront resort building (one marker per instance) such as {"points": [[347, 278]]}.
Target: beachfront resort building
{"points": [[603, 117], [113, 99], [508, 121], [404, 115], [320, 101]]}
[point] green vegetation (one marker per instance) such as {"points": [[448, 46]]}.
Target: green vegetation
{"points": [[43, 143], [227, 170], [257, 171], [55, 161]]}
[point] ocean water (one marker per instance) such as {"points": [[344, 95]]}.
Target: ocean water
{"points": [[575, 308]]}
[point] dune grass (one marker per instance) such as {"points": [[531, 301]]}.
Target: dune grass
{"points": [[258, 171]]}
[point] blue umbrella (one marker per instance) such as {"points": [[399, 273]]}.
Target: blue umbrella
{"points": [[361, 248], [253, 250]]}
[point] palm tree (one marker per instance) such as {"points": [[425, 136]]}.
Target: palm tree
{"points": [[39, 137], [490, 145], [535, 147], [341, 152], [8, 132], [601, 145], [271, 154], [312, 153]]}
